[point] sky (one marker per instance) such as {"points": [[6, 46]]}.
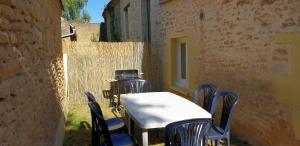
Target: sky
{"points": [[95, 9]]}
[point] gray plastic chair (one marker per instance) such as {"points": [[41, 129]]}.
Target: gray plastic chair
{"points": [[187, 132], [109, 139], [208, 91], [137, 86], [222, 131]]}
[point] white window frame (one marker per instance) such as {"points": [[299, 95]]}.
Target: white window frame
{"points": [[180, 81]]}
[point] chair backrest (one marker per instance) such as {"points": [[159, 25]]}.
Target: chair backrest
{"points": [[117, 87], [187, 133], [207, 91], [137, 86], [230, 99], [100, 121], [91, 98], [107, 94]]}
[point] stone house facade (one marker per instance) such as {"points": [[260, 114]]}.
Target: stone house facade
{"points": [[31, 73], [127, 20], [251, 47]]}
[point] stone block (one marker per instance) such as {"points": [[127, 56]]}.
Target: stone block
{"points": [[4, 24], [4, 38], [8, 2], [14, 39], [6, 12], [20, 26], [9, 69]]}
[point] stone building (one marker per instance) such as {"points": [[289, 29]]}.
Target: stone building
{"points": [[127, 20], [31, 73], [251, 47]]}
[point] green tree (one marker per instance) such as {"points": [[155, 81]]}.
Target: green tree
{"points": [[86, 17], [74, 11]]}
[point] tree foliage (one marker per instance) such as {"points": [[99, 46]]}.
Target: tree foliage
{"points": [[74, 11]]}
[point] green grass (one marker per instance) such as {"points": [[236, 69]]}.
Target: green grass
{"points": [[78, 124], [78, 128]]}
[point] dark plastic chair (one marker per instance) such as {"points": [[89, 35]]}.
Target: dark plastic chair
{"points": [[137, 86], [115, 125], [207, 91], [109, 139], [222, 131], [187, 133], [108, 95], [90, 96]]}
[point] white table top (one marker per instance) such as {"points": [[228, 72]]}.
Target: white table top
{"points": [[157, 109]]}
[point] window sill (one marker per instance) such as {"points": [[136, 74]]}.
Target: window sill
{"points": [[179, 90], [164, 1]]}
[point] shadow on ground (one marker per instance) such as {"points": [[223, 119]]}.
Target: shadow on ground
{"points": [[78, 128]]}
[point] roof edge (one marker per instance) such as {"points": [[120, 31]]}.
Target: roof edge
{"points": [[106, 7]]}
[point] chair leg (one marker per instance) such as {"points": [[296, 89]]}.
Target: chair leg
{"points": [[217, 142], [110, 102], [228, 141]]}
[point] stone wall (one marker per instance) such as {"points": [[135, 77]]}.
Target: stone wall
{"points": [[31, 73], [134, 17], [86, 32], [136, 21], [233, 44]]}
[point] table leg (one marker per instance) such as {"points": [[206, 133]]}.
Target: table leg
{"points": [[132, 127], [129, 124], [145, 137]]}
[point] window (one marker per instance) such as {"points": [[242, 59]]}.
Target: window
{"points": [[181, 64], [126, 21]]}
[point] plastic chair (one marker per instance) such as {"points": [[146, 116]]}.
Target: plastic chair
{"points": [[90, 96], [187, 133], [222, 131], [108, 95], [208, 91], [115, 125], [109, 139], [137, 86]]}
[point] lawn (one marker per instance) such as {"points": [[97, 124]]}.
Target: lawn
{"points": [[78, 127]]}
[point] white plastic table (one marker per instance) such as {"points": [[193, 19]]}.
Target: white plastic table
{"points": [[158, 109]]}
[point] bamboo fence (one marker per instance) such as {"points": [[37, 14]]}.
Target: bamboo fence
{"points": [[92, 65]]}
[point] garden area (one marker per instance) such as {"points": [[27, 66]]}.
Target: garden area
{"points": [[78, 127]]}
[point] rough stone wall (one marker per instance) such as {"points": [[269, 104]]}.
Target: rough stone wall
{"points": [[137, 20], [31, 72], [107, 25], [235, 49], [135, 23], [86, 31]]}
